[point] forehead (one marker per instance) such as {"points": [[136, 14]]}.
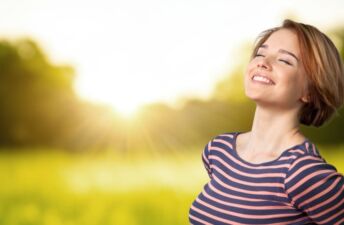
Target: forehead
{"points": [[283, 39]]}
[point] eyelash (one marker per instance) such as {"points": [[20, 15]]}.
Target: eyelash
{"points": [[282, 60], [285, 61], [258, 55]]}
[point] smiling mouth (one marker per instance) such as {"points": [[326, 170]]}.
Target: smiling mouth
{"points": [[262, 79]]}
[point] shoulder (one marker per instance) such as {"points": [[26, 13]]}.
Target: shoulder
{"points": [[305, 156], [301, 152], [308, 165], [226, 138], [225, 135], [220, 141], [314, 186], [217, 143]]}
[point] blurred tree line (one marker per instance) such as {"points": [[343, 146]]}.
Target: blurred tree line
{"points": [[39, 108]]}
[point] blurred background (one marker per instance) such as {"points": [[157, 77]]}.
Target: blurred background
{"points": [[106, 106]]}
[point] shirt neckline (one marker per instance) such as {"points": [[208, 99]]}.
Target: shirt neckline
{"points": [[297, 146]]}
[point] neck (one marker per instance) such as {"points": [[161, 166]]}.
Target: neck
{"points": [[272, 130]]}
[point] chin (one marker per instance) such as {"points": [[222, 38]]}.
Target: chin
{"points": [[250, 92], [253, 98], [257, 97]]}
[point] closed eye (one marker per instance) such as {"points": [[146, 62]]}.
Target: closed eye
{"points": [[259, 55], [286, 62]]}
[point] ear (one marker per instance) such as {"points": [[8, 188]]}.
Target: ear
{"points": [[305, 99]]}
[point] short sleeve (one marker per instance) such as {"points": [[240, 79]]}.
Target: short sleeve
{"points": [[316, 188], [206, 158]]}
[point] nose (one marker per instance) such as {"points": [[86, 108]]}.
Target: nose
{"points": [[263, 63]]}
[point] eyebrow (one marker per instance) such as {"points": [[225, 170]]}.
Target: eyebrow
{"points": [[282, 51]]}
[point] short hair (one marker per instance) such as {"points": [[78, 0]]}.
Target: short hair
{"points": [[324, 71]]}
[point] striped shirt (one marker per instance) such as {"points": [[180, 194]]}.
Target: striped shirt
{"points": [[299, 187]]}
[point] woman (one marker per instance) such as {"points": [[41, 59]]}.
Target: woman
{"points": [[273, 174]]}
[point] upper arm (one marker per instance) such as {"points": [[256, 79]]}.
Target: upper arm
{"points": [[205, 158], [316, 188]]}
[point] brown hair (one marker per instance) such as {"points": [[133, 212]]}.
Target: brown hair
{"points": [[324, 71]]}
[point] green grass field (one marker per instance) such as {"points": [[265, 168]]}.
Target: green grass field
{"points": [[59, 188]]}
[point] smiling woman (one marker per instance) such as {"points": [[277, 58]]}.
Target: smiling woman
{"points": [[273, 174], [276, 60]]}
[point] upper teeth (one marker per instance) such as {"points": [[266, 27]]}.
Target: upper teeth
{"points": [[263, 79]]}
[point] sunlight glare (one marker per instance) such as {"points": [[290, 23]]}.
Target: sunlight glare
{"points": [[121, 103], [135, 52]]}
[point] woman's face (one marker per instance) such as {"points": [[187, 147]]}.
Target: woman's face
{"points": [[275, 76]]}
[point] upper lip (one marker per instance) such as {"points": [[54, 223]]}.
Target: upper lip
{"points": [[267, 77]]}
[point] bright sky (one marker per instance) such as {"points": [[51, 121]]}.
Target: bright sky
{"points": [[131, 52]]}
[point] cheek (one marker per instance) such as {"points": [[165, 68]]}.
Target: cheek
{"points": [[247, 73], [249, 69], [294, 85]]}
